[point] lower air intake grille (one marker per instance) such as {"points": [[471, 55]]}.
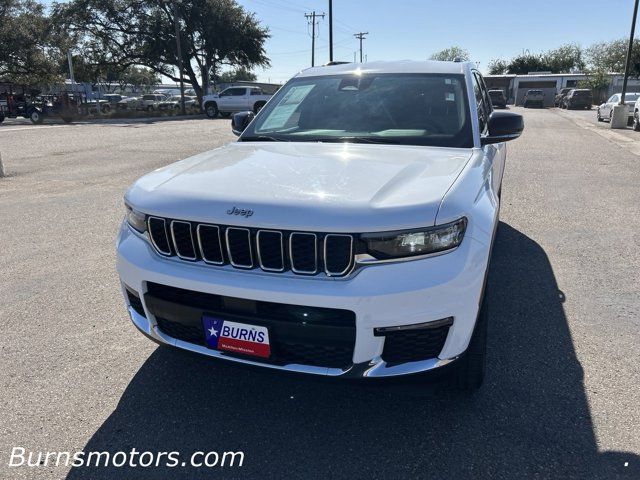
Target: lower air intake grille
{"points": [[323, 337], [414, 345], [135, 302]]}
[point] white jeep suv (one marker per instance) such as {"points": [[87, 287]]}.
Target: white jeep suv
{"points": [[346, 233]]}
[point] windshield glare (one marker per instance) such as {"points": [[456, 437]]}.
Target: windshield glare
{"points": [[408, 109]]}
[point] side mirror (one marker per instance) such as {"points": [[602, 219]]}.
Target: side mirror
{"points": [[503, 126], [240, 121]]}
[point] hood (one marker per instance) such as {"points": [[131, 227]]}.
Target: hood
{"points": [[323, 187]]}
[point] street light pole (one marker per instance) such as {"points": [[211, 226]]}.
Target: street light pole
{"points": [[177, 25]]}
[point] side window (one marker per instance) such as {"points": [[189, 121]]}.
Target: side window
{"points": [[485, 93], [483, 114], [238, 92], [255, 91]]}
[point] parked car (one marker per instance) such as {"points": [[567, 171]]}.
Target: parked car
{"points": [[578, 98], [151, 101], [234, 99], [534, 98], [636, 115], [558, 100], [498, 100], [173, 103], [113, 97], [605, 110], [335, 238], [129, 103]]}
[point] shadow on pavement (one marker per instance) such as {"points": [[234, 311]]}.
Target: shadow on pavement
{"points": [[530, 419]]}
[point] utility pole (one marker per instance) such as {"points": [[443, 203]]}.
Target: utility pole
{"points": [[619, 115], [176, 21], [331, 30], [360, 36], [628, 63], [311, 18]]}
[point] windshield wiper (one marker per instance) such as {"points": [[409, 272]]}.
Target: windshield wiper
{"points": [[263, 138], [382, 140]]}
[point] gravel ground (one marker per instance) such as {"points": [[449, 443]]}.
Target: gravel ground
{"points": [[560, 401]]}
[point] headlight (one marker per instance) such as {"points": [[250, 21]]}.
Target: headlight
{"points": [[136, 219], [388, 245]]}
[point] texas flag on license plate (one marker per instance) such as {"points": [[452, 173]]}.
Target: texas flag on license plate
{"points": [[237, 337]]}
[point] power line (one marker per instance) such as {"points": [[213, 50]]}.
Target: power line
{"points": [[311, 18], [360, 36]]}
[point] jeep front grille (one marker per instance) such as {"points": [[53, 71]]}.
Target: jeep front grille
{"points": [[302, 253]]}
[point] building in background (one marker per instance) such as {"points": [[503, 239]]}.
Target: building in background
{"points": [[516, 86]]}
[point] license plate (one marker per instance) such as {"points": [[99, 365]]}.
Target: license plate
{"points": [[236, 337]]}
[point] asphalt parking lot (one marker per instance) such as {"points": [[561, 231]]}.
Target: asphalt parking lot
{"points": [[560, 401]]}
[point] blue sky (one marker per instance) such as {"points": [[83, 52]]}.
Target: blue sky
{"points": [[414, 29]]}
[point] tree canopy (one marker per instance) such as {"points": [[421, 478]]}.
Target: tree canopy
{"points": [[611, 56], [29, 50], [236, 75], [450, 54], [141, 32]]}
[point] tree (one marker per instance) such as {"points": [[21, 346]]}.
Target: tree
{"points": [[450, 54], [564, 59], [29, 50], [611, 56], [236, 75], [525, 63], [498, 66], [141, 32]]}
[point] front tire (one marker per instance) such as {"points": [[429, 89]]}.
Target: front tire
{"points": [[472, 366], [36, 117], [1, 118], [636, 123], [211, 109], [598, 117]]}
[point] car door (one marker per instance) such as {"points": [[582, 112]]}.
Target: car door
{"points": [[494, 154], [231, 99]]}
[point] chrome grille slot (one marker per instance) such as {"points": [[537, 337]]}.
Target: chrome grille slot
{"points": [[274, 251], [183, 240], [338, 254], [158, 235], [210, 244], [270, 250], [239, 247], [303, 251]]}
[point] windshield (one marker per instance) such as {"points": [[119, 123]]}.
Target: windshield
{"points": [[407, 109]]}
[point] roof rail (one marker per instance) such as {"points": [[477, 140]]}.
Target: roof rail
{"points": [[330, 64]]}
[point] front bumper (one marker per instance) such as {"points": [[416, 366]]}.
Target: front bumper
{"points": [[384, 295]]}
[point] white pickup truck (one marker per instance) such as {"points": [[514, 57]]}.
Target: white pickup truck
{"points": [[234, 99]]}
